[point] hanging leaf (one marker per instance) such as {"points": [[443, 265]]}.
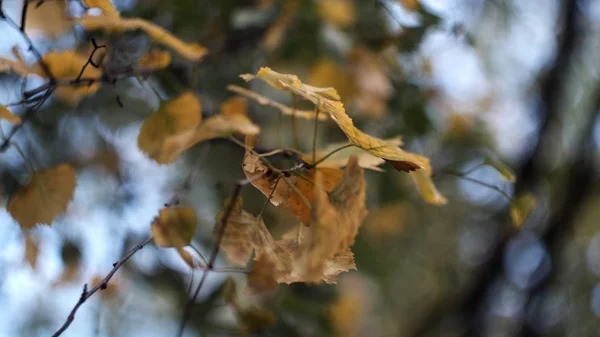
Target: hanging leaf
{"points": [[174, 227], [5, 114], [296, 193], [174, 117], [66, 66], [112, 24], [44, 198], [50, 19], [286, 110], [505, 170], [327, 99], [31, 251], [316, 254], [521, 207]]}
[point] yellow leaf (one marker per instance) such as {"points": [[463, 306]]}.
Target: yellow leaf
{"points": [[65, 66], [412, 5], [286, 110], [105, 5], [187, 257], [340, 13], [174, 227], [328, 101], [521, 207], [44, 198], [504, 170], [191, 51], [156, 59], [325, 72], [316, 254], [5, 114], [297, 193], [50, 19], [174, 117]]}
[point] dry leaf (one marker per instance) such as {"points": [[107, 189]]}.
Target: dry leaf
{"points": [[340, 13], [325, 72], [105, 5], [49, 19], [412, 5], [5, 114], [174, 227], [286, 110], [174, 117], [521, 207], [187, 257], [155, 60], [191, 51], [316, 254], [297, 193], [44, 198], [66, 66], [328, 101]]}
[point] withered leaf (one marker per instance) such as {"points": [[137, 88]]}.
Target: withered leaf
{"points": [[66, 65], [155, 60], [297, 193], [44, 198], [174, 227], [327, 99], [521, 207], [314, 254]]}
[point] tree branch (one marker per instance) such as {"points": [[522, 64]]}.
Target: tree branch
{"points": [[86, 294]]}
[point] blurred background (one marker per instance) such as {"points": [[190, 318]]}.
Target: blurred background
{"points": [[464, 82]]}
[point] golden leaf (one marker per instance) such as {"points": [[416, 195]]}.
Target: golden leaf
{"points": [[5, 114], [66, 66], [187, 257], [316, 254], [297, 193], [191, 51], [44, 198], [155, 60], [328, 101], [412, 5], [521, 207], [174, 117], [105, 5], [340, 13], [325, 72], [50, 19], [174, 227], [286, 110]]}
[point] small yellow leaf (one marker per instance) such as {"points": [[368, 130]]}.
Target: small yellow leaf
{"points": [[155, 60], [340, 13], [105, 5], [191, 51], [412, 5], [521, 207], [187, 257], [5, 114], [286, 110], [174, 227], [174, 117], [505, 170], [426, 187], [66, 66], [50, 19], [44, 198]]}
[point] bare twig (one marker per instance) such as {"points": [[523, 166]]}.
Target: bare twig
{"points": [[86, 294]]}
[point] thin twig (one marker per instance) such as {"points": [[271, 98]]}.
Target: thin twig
{"points": [[86, 294], [213, 256]]}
